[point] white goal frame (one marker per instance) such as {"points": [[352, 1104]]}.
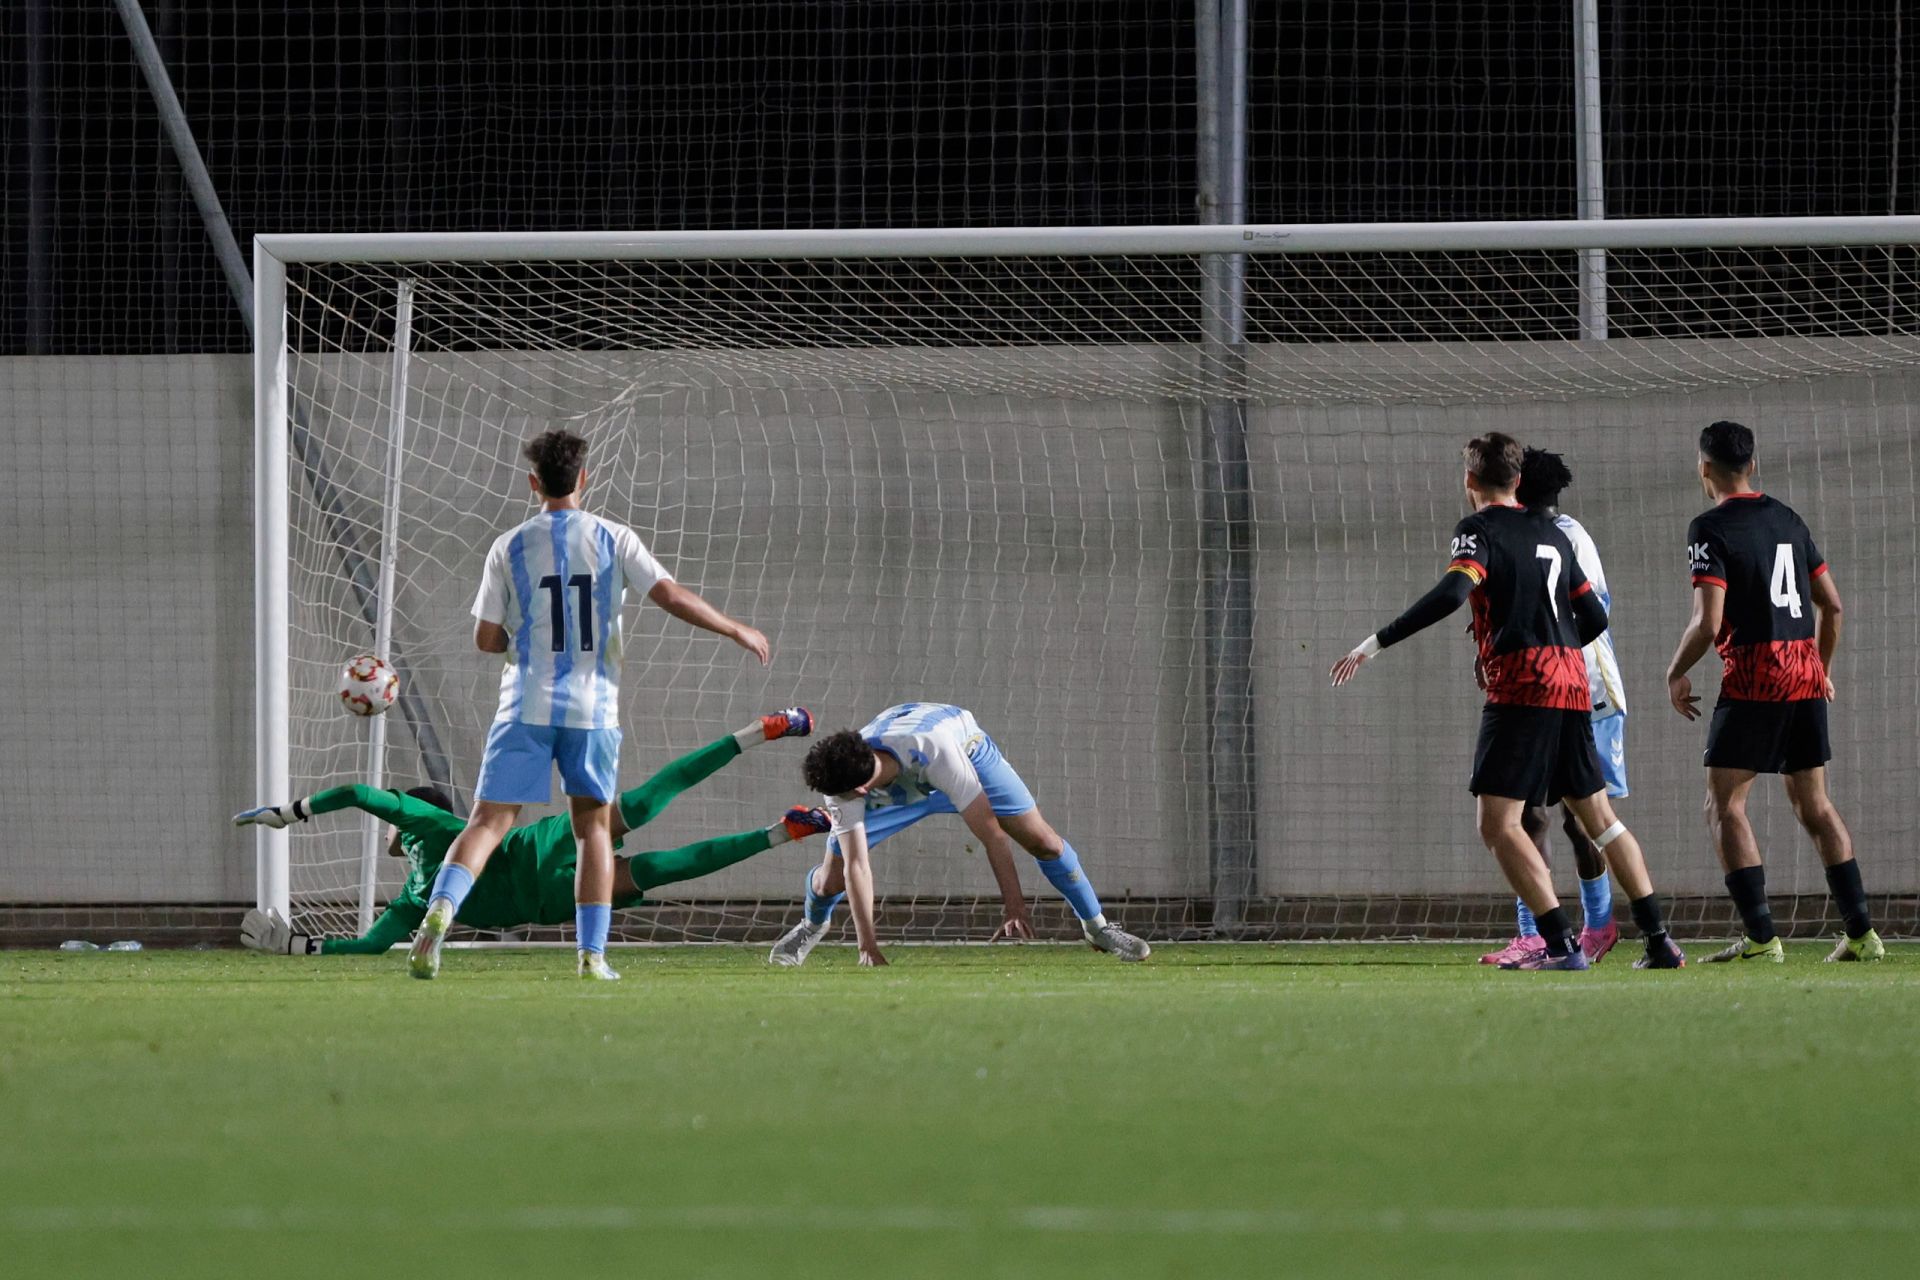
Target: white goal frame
{"points": [[272, 253]]}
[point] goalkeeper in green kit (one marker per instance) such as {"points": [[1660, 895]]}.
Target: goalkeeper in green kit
{"points": [[529, 880]]}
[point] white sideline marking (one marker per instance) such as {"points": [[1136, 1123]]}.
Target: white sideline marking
{"points": [[1049, 1220]]}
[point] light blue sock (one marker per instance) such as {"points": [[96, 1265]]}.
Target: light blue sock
{"points": [[819, 909], [590, 921], [1064, 874], [1596, 901], [454, 883], [1528, 929]]}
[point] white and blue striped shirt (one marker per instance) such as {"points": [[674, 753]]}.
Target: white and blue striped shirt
{"points": [[557, 584], [934, 743], [1604, 686]]}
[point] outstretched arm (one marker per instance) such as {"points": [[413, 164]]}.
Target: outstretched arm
{"points": [[688, 606], [394, 925], [414, 817], [1709, 601], [269, 932], [1448, 594]]}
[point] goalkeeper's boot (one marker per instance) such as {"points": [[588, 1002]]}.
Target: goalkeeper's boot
{"points": [[593, 964], [1662, 953], [1515, 951], [1865, 947], [423, 959], [802, 822], [1747, 949], [1595, 943], [797, 943], [1115, 941], [794, 722]]}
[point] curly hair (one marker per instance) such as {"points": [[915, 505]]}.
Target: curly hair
{"points": [[557, 457], [1543, 476], [838, 763]]}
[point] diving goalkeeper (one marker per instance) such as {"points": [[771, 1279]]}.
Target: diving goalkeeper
{"points": [[529, 880]]}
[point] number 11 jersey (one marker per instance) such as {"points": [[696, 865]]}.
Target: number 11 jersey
{"points": [[1761, 553], [557, 584]]}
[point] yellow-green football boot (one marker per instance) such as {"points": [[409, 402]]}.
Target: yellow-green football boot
{"points": [[1748, 949], [1865, 947]]}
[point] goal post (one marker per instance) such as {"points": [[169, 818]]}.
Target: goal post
{"points": [[979, 466]]}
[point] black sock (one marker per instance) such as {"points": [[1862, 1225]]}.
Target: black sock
{"points": [[1646, 917], [1555, 931], [1748, 886], [1843, 881]]}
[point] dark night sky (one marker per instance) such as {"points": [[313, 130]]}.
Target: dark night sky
{"points": [[570, 114]]}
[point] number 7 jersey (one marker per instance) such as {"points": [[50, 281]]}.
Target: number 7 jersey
{"points": [[557, 584], [1525, 578], [1761, 553]]}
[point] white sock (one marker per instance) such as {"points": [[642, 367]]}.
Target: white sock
{"points": [[751, 736]]}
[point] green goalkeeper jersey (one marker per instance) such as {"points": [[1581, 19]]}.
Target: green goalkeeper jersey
{"points": [[529, 879]]}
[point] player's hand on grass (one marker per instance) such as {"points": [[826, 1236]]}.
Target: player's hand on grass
{"points": [[754, 643], [268, 931], [271, 815], [1680, 693], [870, 958], [1015, 928]]}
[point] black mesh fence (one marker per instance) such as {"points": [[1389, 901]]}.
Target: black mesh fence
{"points": [[586, 114]]}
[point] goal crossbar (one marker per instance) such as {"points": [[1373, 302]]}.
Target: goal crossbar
{"points": [[937, 242]]}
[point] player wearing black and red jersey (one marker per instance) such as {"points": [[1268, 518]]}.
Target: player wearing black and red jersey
{"points": [[1763, 596], [1533, 610]]}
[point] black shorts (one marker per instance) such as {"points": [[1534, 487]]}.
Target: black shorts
{"points": [[1769, 737], [1539, 755]]}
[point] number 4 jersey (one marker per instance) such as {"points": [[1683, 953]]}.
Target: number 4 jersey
{"points": [[557, 584], [1762, 554]]}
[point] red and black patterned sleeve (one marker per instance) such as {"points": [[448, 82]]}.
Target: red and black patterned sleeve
{"points": [[1706, 558]]}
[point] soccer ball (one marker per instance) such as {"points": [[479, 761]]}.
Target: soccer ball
{"points": [[368, 685]]}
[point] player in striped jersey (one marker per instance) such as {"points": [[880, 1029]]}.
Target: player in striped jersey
{"points": [[1543, 477], [912, 761], [550, 600]]}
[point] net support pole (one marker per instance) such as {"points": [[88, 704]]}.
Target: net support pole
{"points": [[1590, 173], [270, 704], [261, 298], [1226, 485], [383, 604]]}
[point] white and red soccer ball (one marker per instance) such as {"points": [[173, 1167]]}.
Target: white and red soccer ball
{"points": [[368, 685]]}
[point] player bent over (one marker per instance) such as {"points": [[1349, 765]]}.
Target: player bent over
{"points": [[912, 761], [550, 600], [1533, 610], [530, 878], [1752, 558], [1543, 477]]}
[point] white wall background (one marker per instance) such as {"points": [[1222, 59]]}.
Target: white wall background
{"points": [[1016, 545]]}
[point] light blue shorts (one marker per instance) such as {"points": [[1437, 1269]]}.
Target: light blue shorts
{"points": [[1005, 792], [518, 766], [1610, 740]]}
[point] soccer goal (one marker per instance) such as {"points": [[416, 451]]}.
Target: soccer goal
{"points": [[1125, 493]]}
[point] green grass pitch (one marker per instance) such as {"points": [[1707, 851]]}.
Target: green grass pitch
{"points": [[1218, 1112]]}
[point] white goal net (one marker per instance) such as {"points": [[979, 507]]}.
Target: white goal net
{"points": [[982, 480]]}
